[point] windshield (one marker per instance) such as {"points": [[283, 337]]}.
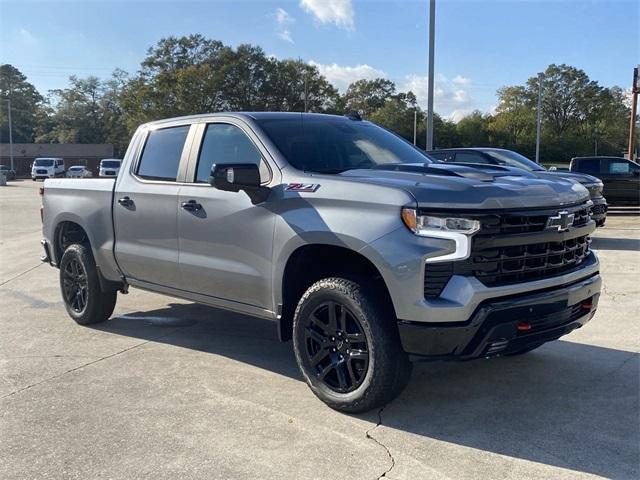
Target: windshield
{"points": [[43, 162], [76, 168], [334, 144], [513, 159], [110, 164]]}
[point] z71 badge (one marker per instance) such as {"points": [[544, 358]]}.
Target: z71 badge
{"points": [[302, 187]]}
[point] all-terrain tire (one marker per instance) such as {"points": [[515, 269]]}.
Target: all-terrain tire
{"points": [[83, 298], [367, 311]]}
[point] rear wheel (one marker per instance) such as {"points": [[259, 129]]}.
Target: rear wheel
{"points": [[347, 345], [85, 302]]}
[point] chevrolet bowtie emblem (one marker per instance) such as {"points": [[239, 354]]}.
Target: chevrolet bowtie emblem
{"points": [[562, 221]]}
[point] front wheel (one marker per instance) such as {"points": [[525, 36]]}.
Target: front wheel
{"points": [[83, 298], [347, 345]]}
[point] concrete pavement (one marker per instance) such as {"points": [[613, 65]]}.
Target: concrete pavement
{"points": [[170, 389]]}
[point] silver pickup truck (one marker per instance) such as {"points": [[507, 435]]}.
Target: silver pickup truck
{"points": [[357, 245]]}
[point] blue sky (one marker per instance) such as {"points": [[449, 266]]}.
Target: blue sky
{"points": [[480, 44]]}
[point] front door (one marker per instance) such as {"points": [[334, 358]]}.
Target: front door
{"points": [[145, 209], [621, 180], [225, 240]]}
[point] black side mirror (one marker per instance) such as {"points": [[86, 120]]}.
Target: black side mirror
{"points": [[233, 177]]}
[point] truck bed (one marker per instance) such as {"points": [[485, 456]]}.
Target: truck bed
{"points": [[87, 202]]}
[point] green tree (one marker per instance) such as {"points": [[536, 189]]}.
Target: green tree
{"points": [[473, 130], [26, 105], [367, 96]]}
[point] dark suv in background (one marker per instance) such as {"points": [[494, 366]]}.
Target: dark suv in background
{"points": [[621, 177], [509, 158]]}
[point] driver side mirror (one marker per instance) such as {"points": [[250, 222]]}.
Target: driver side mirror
{"points": [[233, 177]]}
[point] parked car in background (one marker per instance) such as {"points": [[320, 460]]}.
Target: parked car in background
{"points": [[621, 177], [7, 172], [47, 168], [79, 171], [499, 156], [355, 243], [109, 167]]}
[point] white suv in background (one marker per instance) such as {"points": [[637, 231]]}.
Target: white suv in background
{"points": [[47, 167], [109, 167]]}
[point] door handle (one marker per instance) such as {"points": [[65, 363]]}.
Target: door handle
{"points": [[125, 201], [191, 206]]}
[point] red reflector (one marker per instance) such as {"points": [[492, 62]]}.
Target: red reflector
{"points": [[586, 305], [523, 326]]}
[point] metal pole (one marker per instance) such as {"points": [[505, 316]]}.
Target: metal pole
{"points": [[634, 111], [305, 92], [10, 134], [539, 117], [415, 126], [432, 35]]}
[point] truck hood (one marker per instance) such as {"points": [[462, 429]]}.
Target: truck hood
{"points": [[490, 187], [578, 177]]}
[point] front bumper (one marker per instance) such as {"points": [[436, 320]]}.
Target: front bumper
{"points": [[506, 325]]}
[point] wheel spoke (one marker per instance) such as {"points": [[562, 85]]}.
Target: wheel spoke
{"points": [[342, 319], [315, 336], [332, 317], [355, 337], [352, 374], [316, 321], [342, 378], [318, 357], [358, 355], [323, 373]]}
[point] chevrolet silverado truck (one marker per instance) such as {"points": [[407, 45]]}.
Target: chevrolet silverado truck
{"points": [[357, 245]]}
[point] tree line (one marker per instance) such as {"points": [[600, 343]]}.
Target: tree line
{"points": [[193, 74]]}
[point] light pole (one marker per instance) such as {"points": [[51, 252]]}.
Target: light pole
{"points": [[432, 35], [10, 133], [539, 117], [415, 126]]}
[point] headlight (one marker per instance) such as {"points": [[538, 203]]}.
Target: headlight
{"points": [[595, 189], [458, 230], [426, 225]]}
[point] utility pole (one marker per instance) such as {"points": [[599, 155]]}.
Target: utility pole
{"points": [[539, 117], [10, 134], [635, 88], [415, 126], [432, 35], [595, 141], [305, 91]]}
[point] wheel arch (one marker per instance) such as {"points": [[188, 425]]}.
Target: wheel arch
{"points": [[309, 263]]}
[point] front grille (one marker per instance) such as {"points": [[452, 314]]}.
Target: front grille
{"points": [[109, 173], [522, 262], [555, 319], [41, 172]]}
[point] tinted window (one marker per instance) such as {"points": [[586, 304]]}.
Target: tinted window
{"points": [[470, 157], [110, 164], [44, 163], [161, 155], [513, 159], [588, 165], [442, 156], [333, 144], [225, 143]]}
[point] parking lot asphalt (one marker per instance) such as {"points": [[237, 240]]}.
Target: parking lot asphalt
{"points": [[171, 389]]}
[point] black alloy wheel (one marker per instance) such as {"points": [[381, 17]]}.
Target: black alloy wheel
{"points": [[75, 285], [336, 347]]}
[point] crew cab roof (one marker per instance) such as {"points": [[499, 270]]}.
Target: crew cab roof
{"points": [[246, 116]]}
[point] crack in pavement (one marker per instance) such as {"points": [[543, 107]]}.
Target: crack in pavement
{"points": [[20, 274], [74, 369], [369, 435]]}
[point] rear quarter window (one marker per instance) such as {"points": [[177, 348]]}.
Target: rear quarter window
{"points": [[587, 165], [161, 154]]}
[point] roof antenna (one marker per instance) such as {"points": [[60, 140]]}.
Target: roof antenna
{"points": [[353, 115]]}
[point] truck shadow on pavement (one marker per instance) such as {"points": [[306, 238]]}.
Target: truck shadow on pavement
{"points": [[568, 405], [607, 243]]}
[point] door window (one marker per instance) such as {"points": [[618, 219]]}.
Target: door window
{"points": [[160, 157], [442, 156], [589, 165], [617, 167], [470, 157], [226, 143]]}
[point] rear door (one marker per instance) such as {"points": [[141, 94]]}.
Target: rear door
{"points": [[146, 204], [226, 242], [621, 180]]}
